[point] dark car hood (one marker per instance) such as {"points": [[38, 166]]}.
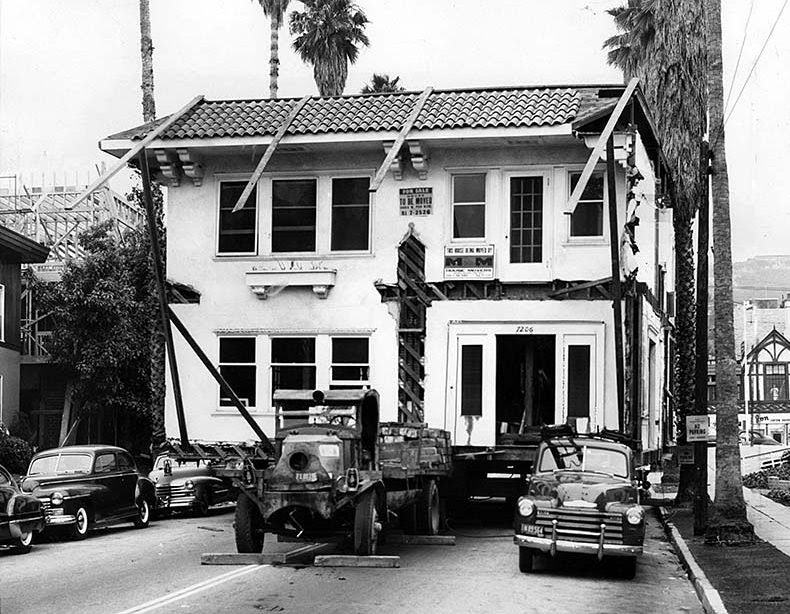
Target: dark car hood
{"points": [[575, 489], [35, 483]]}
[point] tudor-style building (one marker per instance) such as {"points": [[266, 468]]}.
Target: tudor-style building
{"points": [[469, 288]]}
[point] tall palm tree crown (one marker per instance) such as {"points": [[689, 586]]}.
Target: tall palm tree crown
{"points": [[380, 84], [328, 36], [275, 11]]}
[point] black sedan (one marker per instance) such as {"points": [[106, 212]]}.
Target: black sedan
{"points": [[81, 487], [20, 515]]}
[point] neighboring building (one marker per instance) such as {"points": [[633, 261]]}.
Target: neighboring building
{"points": [[15, 250], [463, 289], [45, 215]]}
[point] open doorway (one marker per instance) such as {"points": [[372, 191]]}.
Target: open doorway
{"points": [[525, 377]]}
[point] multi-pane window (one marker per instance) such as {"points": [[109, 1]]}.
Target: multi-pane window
{"points": [[293, 215], [526, 219], [587, 218], [469, 206], [350, 214], [237, 231], [775, 382], [293, 363], [237, 366], [350, 363]]}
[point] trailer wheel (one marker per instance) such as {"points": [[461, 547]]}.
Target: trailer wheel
{"points": [[248, 525], [526, 560], [429, 517], [366, 525]]}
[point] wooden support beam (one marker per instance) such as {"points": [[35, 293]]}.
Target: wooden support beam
{"points": [[399, 140], [267, 155], [347, 560], [589, 167], [421, 540], [617, 295], [140, 146]]}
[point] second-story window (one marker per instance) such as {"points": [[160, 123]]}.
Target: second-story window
{"points": [[587, 218], [350, 214], [469, 206], [526, 219], [293, 215], [237, 231], [237, 365]]}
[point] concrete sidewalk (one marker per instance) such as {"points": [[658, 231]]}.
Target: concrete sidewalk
{"points": [[771, 520]]}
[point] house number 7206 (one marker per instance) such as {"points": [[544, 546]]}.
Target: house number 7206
{"points": [[524, 329]]}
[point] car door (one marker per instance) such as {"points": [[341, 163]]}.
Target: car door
{"points": [[108, 485], [128, 479]]}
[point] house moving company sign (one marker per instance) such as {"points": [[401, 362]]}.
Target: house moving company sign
{"points": [[469, 262]]}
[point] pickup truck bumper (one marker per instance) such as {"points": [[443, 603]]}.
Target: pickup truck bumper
{"points": [[553, 545]]}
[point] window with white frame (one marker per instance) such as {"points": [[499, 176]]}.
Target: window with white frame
{"points": [[350, 214], [237, 232], [350, 366], [587, 218], [526, 219], [237, 365], [469, 206], [293, 363], [293, 215], [2, 312]]}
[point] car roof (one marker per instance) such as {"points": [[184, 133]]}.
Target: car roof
{"points": [[593, 441], [82, 449]]}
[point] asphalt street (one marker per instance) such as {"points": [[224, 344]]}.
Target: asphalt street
{"points": [[158, 570]]}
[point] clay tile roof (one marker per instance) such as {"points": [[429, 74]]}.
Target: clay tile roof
{"points": [[444, 110]]}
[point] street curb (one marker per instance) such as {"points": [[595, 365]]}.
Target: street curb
{"points": [[708, 596]]}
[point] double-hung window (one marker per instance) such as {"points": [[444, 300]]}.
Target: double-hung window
{"points": [[469, 206], [587, 218], [350, 214], [350, 363], [293, 215], [237, 365], [237, 232], [293, 363]]}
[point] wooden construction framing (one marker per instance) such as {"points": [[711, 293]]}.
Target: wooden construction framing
{"points": [[600, 146], [400, 139], [267, 155], [140, 146]]}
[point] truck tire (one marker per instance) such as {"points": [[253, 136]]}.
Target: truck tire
{"points": [[526, 560], [366, 525], [428, 508], [248, 526], [626, 567]]}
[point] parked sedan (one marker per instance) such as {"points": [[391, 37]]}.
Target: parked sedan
{"points": [[20, 515], [81, 487], [188, 485]]}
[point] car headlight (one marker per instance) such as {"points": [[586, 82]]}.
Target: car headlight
{"points": [[635, 515], [189, 485], [526, 507], [56, 498]]}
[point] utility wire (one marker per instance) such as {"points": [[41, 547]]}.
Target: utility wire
{"points": [[740, 54]]}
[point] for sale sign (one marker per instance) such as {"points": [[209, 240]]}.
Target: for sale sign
{"points": [[696, 428], [416, 201]]}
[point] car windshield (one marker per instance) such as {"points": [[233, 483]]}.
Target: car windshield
{"points": [[175, 462], [318, 414], [584, 457], [62, 464]]}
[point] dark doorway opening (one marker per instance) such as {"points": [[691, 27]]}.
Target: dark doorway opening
{"points": [[525, 376]]}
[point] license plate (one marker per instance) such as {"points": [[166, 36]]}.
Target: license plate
{"points": [[532, 529], [306, 477]]}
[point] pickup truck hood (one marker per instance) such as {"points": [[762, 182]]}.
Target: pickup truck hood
{"points": [[583, 491]]}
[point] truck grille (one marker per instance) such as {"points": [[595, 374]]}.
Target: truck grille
{"points": [[169, 496], [581, 524]]}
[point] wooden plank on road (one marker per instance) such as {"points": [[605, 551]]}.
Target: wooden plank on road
{"points": [[347, 560], [301, 555], [422, 540]]}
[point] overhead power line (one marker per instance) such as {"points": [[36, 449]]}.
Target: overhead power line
{"points": [[740, 54]]}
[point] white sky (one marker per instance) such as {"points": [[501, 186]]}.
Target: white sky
{"points": [[70, 75]]}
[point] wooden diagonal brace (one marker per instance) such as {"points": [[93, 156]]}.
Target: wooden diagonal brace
{"points": [[600, 146], [267, 155], [399, 140], [134, 151]]}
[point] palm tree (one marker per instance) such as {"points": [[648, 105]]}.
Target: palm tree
{"points": [[275, 11], [728, 520], [147, 57], [381, 83], [328, 35], [662, 43]]}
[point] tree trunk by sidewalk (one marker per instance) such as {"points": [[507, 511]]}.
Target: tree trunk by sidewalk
{"points": [[727, 522]]}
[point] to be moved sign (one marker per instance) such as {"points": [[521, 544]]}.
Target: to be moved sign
{"points": [[416, 201], [469, 262]]}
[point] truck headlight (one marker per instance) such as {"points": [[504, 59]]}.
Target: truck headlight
{"points": [[56, 498], [526, 507], [635, 515], [189, 485]]}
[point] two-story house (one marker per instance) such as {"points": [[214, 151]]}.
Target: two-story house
{"points": [[464, 288]]}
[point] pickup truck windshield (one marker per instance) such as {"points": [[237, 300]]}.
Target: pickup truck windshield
{"points": [[585, 458], [63, 464]]}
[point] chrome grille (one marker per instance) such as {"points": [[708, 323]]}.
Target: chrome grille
{"points": [[581, 524], [46, 507], [173, 496]]}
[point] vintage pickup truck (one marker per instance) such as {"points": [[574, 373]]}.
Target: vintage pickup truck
{"points": [[339, 473], [583, 496]]}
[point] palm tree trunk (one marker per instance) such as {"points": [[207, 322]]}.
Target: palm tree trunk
{"points": [[274, 58], [147, 57], [728, 520]]}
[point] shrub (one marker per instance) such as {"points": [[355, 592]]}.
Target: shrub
{"points": [[15, 454], [759, 479], [780, 496]]}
